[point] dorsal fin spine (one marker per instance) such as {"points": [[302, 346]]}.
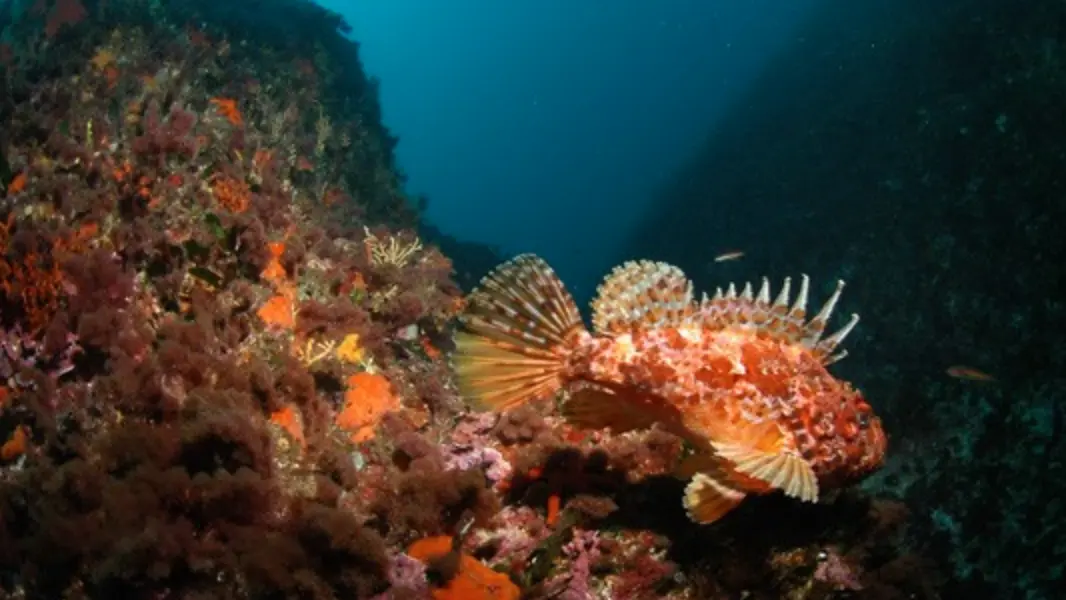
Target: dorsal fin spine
{"points": [[764, 292], [777, 320], [799, 307], [747, 293], [817, 325], [782, 296], [642, 294]]}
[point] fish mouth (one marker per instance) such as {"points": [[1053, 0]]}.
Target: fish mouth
{"points": [[876, 446]]}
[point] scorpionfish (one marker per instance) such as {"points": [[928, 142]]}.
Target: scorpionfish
{"points": [[741, 377]]}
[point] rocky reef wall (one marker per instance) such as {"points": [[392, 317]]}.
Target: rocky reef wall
{"points": [[915, 151]]}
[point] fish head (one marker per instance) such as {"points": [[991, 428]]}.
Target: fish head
{"points": [[858, 442], [871, 439]]}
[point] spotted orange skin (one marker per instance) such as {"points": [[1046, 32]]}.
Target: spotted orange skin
{"points": [[697, 378]]}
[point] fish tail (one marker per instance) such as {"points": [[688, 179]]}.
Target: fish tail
{"points": [[519, 328]]}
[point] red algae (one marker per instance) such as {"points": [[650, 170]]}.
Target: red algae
{"points": [[168, 298]]}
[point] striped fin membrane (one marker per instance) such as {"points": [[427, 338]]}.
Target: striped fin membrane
{"points": [[643, 294], [517, 329], [783, 319]]}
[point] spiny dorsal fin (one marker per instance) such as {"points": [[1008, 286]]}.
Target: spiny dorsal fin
{"points": [[778, 320], [526, 298], [641, 294], [519, 326]]}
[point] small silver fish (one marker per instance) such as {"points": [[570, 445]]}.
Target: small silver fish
{"points": [[728, 256]]}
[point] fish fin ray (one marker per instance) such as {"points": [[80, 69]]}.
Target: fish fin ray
{"points": [[707, 499], [778, 320], [592, 406], [518, 326], [782, 469], [698, 462], [642, 294]]}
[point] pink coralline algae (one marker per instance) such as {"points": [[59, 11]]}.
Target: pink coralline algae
{"points": [[474, 428], [583, 550], [834, 571], [406, 575], [19, 351], [462, 458], [470, 449], [518, 532]]}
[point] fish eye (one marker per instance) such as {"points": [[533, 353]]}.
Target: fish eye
{"points": [[864, 420]]}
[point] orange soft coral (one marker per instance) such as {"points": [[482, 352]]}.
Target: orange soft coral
{"points": [[288, 418], [350, 350], [33, 281], [16, 445], [233, 194], [18, 183], [368, 398], [279, 311], [227, 107], [473, 581], [274, 271], [64, 13]]}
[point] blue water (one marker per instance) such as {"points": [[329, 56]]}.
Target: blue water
{"points": [[549, 127]]}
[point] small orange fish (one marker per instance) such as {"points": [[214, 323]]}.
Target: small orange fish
{"points": [[728, 256], [969, 373], [740, 376]]}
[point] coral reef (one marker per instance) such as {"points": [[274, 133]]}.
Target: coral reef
{"points": [[225, 353]]}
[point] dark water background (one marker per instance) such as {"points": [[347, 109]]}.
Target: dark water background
{"points": [[914, 149]]}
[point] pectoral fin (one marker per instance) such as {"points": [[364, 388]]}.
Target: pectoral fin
{"points": [[782, 469], [698, 462], [517, 329], [759, 452], [595, 407], [707, 499]]}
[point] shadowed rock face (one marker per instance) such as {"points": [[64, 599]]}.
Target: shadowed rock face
{"points": [[915, 154]]}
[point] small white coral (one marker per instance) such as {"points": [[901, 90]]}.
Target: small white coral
{"points": [[393, 252]]}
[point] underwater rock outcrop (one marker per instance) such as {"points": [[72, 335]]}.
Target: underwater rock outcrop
{"points": [[915, 154], [225, 354]]}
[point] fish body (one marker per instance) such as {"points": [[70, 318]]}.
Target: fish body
{"points": [[742, 378], [728, 256], [969, 373]]}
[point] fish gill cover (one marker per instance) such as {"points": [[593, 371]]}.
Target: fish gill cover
{"points": [[226, 356]]}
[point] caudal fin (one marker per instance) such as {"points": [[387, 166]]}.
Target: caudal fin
{"points": [[520, 325]]}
